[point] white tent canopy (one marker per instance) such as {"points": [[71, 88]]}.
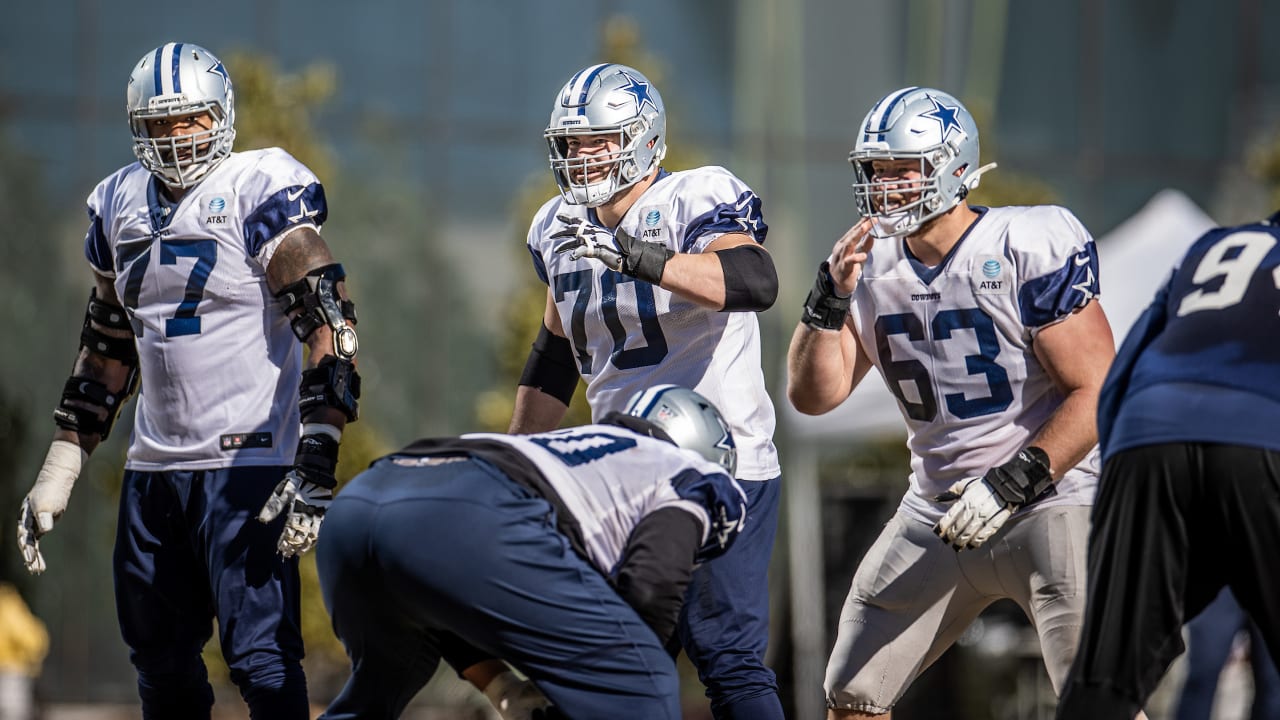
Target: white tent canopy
{"points": [[1134, 260]]}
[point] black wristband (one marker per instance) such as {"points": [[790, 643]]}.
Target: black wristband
{"points": [[823, 309], [317, 459], [1022, 480], [647, 261]]}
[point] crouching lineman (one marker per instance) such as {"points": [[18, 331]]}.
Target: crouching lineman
{"points": [[564, 553], [207, 263]]}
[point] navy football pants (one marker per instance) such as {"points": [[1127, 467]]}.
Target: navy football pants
{"points": [[189, 548], [724, 625], [411, 552]]}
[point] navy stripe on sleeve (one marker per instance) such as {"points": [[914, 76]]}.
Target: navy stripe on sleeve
{"points": [[742, 216], [539, 266], [96, 248], [1045, 299], [296, 205]]}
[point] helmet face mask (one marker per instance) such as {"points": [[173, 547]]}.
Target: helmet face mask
{"points": [[606, 99], [689, 421], [174, 81], [924, 127]]}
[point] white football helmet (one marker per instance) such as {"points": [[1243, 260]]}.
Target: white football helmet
{"points": [[181, 79], [920, 124], [689, 420], [606, 98]]}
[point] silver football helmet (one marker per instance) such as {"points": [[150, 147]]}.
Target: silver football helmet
{"points": [[689, 420], [925, 125], [181, 79], [606, 98]]}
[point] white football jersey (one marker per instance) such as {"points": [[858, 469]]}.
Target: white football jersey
{"points": [[954, 344], [220, 365], [628, 335], [611, 478]]}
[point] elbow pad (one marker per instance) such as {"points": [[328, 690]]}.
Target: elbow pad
{"points": [[317, 302], [88, 406], [750, 279], [550, 367]]}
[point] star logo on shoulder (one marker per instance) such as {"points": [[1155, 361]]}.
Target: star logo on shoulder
{"points": [[945, 115], [639, 91]]}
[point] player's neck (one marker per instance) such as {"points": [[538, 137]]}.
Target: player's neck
{"points": [[935, 239], [172, 194], [612, 212]]}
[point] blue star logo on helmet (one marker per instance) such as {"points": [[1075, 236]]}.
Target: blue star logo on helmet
{"points": [[945, 115], [218, 69], [652, 218], [217, 204], [991, 268], [639, 91]]}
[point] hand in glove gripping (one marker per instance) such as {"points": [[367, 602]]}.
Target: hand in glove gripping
{"points": [[617, 250], [517, 699], [48, 500], [983, 505], [305, 492]]}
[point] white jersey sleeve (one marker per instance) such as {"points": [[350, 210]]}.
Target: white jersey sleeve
{"points": [[954, 343], [628, 335], [611, 478], [220, 365]]}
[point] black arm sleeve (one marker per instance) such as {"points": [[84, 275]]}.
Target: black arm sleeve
{"points": [[750, 280], [551, 367], [656, 566]]}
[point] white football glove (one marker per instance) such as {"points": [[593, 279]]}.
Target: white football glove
{"points": [[978, 513], [306, 503], [48, 499], [516, 699], [590, 241]]}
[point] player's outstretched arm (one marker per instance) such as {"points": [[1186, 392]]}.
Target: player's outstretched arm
{"points": [[311, 290], [734, 274], [105, 374]]}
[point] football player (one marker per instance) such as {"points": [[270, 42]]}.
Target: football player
{"points": [[1189, 501], [984, 323], [655, 277], [207, 264], [565, 553]]}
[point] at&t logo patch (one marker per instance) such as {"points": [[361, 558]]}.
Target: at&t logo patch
{"points": [[991, 277]]}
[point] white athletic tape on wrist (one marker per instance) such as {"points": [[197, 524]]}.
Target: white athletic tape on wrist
{"points": [[53, 485], [322, 429]]}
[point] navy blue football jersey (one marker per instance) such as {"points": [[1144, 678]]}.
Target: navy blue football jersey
{"points": [[1203, 362]]}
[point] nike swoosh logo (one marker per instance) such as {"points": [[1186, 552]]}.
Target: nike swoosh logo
{"points": [[1081, 261], [295, 195]]}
